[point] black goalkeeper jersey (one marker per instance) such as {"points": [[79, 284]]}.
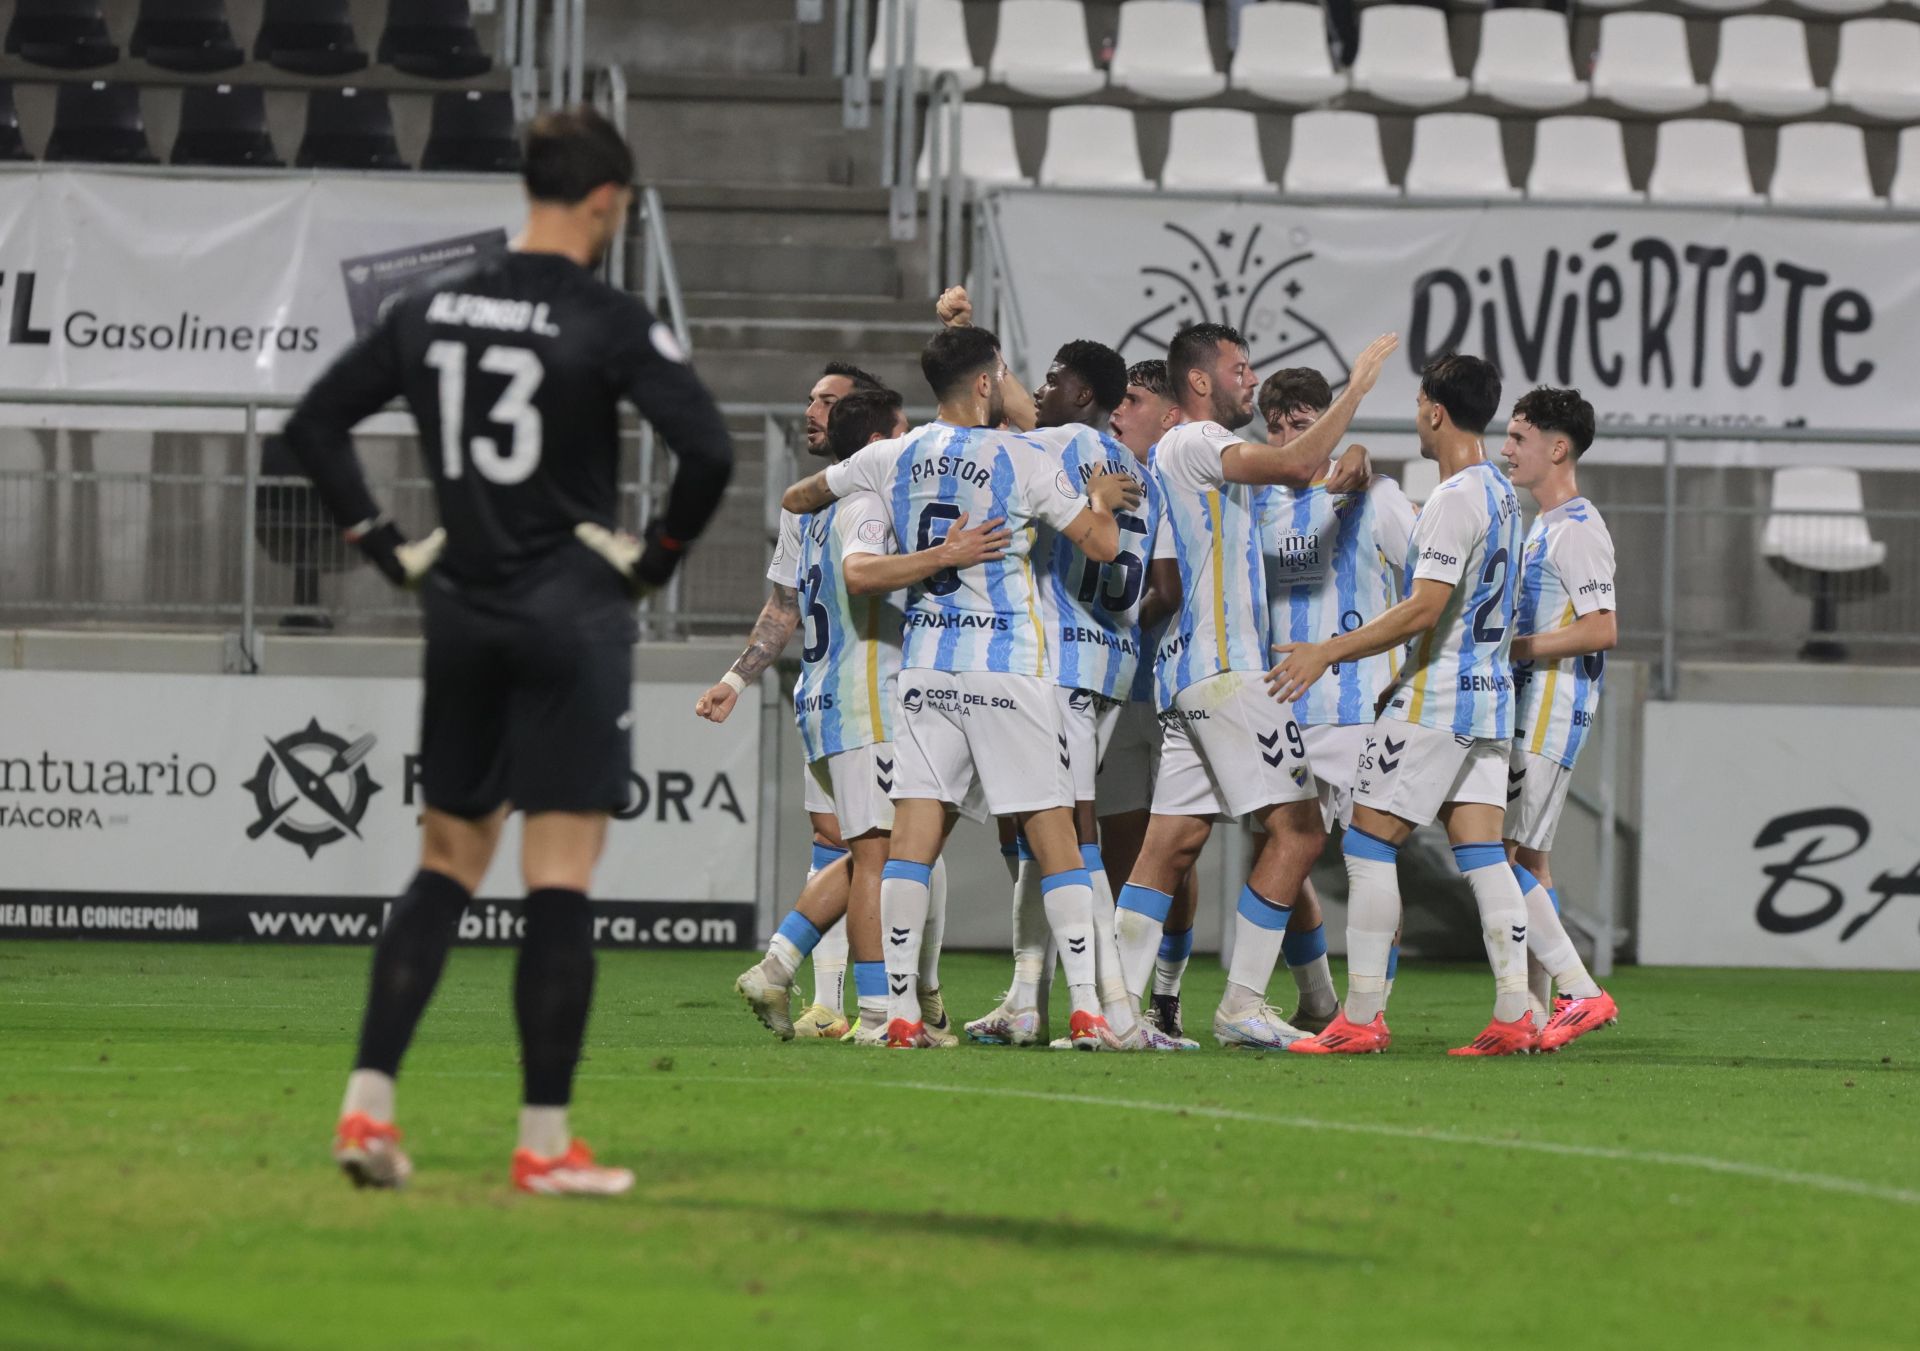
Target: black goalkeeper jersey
{"points": [[514, 367]]}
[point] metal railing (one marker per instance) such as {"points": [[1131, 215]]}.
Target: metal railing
{"points": [[899, 113], [850, 63]]}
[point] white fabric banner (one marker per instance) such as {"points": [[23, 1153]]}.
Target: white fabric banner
{"points": [[283, 786], [1663, 317], [1779, 835]]}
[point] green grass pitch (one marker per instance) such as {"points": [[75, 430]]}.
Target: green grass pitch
{"points": [[1736, 1165]]}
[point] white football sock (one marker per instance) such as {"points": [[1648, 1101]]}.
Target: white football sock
{"points": [[1259, 927], [543, 1130], [1119, 1010], [1539, 988], [369, 1092], [1306, 958], [1170, 966], [1548, 942], [1068, 898], [1373, 915], [936, 930], [904, 900], [1139, 923], [1032, 938], [830, 967], [1503, 923]]}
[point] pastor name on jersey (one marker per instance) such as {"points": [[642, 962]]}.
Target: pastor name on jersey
{"points": [[1567, 573]]}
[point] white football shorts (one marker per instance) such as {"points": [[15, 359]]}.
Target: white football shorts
{"points": [[1131, 761], [1411, 771], [1088, 720], [1536, 795], [858, 785], [1227, 748], [988, 743], [1334, 753]]}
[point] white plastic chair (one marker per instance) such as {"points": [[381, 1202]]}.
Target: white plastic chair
{"points": [[1825, 554], [1526, 61], [1091, 148], [1418, 479], [987, 153], [1458, 155], [1879, 68], [1643, 64], [1906, 178], [1700, 160], [1831, 7], [1042, 50], [1579, 157], [1283, 55], [1723, 6], [1161, 51], [1822, 164], [1337, 152], [939, 42], [1405, 57], [1214, 148], [1763, 67]]}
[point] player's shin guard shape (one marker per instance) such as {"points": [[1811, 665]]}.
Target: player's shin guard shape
{"points": [[1259, 928], [1548, 942], [1170, 967], [552, 992], [407, 962], [1068, 897], [1138, 919], [935, 934], [1503, 923], [904, 899], [1373, 916]]}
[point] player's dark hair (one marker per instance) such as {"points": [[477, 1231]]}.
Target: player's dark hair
{"points": [[954, 356], [846, 370], [1467, 387], [1150, 375], [861, 416], [1193, 349], [572, 151], [1099, 367], [1561, 411], [1293, 388]]}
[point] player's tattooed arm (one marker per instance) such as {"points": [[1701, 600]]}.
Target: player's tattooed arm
{"points": [[1595, 631], [964, 546], [809, 494], [779, 617], [1301, 664]]}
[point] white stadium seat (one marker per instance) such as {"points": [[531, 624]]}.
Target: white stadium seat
{"points": [[1831, 7], [1879, 68], [1214, 148], [987, 153], [1763, 67], [1642, 64], [1525, 60], [1283, 55], [1610, 4], [1337, 152], [1091, 147], [1458, 155], [1906, 179], [1835, 541], [939, 43], [1822, 164], [1042, 50], [1418, 479], [1405, 57], [1161, 51], [1723, 6], [1579, 158], [1700, 160]]}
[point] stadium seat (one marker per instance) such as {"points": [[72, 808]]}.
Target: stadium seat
{"points": [[1526, 61], [1822, 164], [1215, 148], [12, 145], [1336, 152], [1906, 178], [1091, 147], [187, 35], [224, 125], [309, 37], [433, 39], [1878, 71], [1579, 157], [1418, 479], [1283, 55], [1815, 551], [348, 129], [939, 43], [987, 152], [1042, 50], [100, 123], [1723, 6], [1458, 155], [1162, 53], [1831, 7], [472, 133], [64, 34], [1700, 160], [1405, 57], [1763, 67], [1642, 64]]}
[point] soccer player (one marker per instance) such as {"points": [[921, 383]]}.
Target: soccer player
{"points": [[514, 367], [779, 618], [1227, 750], [979, 730], [1439, 747], [1563, 626]]}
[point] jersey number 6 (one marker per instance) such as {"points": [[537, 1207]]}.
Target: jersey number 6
{"points": [[941, 514], [514, 408]]}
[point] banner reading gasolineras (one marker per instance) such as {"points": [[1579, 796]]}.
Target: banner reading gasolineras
{"points": [[1662, 316], [129, 280]]}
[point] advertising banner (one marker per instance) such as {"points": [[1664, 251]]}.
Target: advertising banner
{"points": [[1779, 835], [287, 809]]}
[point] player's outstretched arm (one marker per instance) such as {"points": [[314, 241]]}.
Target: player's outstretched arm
{"points": [[1595, 631], [964, 547], [1303, 663], [779, 617], [809, 494], [1294, 464]]}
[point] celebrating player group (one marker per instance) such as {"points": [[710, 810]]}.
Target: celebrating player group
{"points": [[1098, 615]]}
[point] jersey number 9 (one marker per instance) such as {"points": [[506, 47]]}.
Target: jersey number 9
{"points": [[514, 408]]}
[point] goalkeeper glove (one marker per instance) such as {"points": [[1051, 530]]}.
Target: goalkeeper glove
{"points": [[645, 566], [401, 561]]}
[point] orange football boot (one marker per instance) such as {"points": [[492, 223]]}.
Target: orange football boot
{"points": [[573, 1173], [1347, 1038], [1518, 1037], [1574, 1018], [368, 1151], [905, 1036]]}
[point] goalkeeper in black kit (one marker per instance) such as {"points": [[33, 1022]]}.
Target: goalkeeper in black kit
{"points": [[514, 367]]}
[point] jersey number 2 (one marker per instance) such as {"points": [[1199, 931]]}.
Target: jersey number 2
{"points": [[1485, 631], [514, 409]]}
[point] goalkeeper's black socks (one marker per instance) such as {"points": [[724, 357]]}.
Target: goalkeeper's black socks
{"points": [[552, 992], [407, 962]]}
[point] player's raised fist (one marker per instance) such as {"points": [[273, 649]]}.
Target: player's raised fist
{"points": [[1351, 472], [1115, 491], [717, 703], [1371, 361], [954, 308]]}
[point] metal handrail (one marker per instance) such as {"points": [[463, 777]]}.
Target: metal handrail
{"points": [[610, 98], [946, 186], [850, 64], [657, 271], [899, 135]]}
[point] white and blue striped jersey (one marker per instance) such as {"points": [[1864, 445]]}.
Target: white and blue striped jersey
{"points": [[850, 648], [1567, 573], [1334, 562], [986, 617], [1092, 610], [1457, 675], [1213, 528]]}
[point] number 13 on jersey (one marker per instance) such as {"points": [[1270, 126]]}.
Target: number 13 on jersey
{"points": [[514, 408]]}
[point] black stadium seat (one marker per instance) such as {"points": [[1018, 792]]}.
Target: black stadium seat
{"points": [[65, 34], [224, 126], [309, 37], [11, 144], [348, 129], [190, 35], [433, 39], [99, 122], [473, 132]]}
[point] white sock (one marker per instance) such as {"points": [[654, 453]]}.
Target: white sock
{"points": [[1503, 923], [1114, 1003], [830, 967], [1068, 898], [1010, 855], [782, 959], [936, 930], [1306, 958], [543, 1130], [904, 900], [1139, 923], [369, 1092], [1373, 916], [1259, 927], [1539, 988], [1032, 938], [1170, 965], [1547, 940]]}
